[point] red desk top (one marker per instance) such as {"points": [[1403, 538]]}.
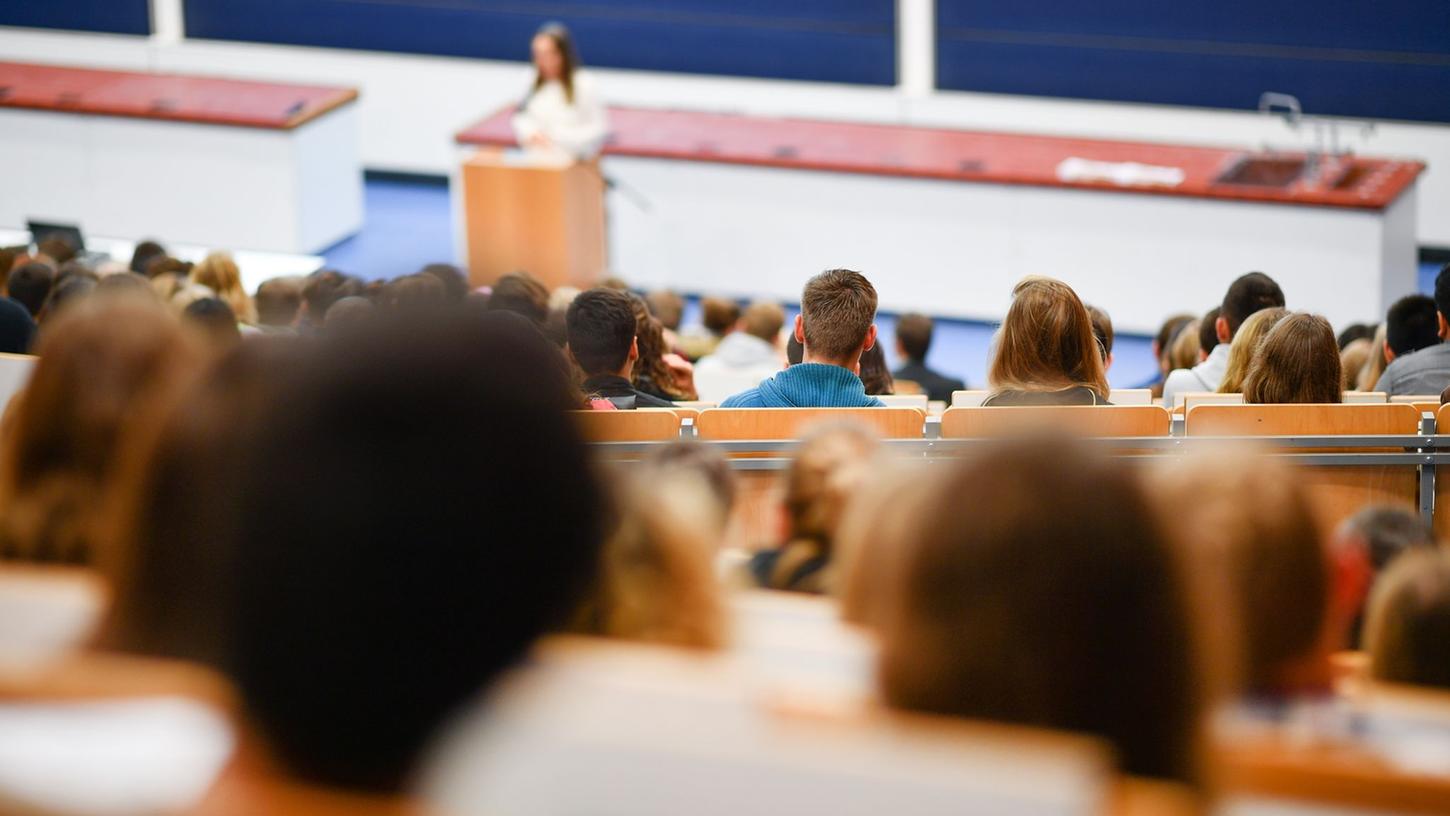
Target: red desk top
{"points": [[957, 155], [166, 96]]}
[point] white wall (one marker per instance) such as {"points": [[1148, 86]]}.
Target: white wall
{"points": [[412, 105]]}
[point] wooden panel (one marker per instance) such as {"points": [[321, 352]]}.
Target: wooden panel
{"points": [[645, 425], [167, 96], [1302, 420], [954, 155], [1335, 492], [1442, 479], [788, 423], [1083, 420], [546, 219]]}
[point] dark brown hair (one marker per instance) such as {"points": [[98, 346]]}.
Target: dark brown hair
{"points": [[837, 307], [874, 373], [651, 373], [719, 315], [914, 331], [521, 293], [1074, 619], [1102, 330], [559, 35], [1296, 362]]}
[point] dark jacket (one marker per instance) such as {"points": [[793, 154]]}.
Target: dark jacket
{"points": [[937, 387], [1076, 395], [618, 390]]}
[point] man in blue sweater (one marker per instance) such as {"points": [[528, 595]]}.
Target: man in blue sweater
{"points": [[835, 327]]}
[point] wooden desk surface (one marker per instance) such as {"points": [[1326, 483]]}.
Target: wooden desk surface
{"points": [[956, 155], [166, 96]]}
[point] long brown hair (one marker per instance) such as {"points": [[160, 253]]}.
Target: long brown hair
{"points": [[1296, 362], [559, 35], [1046, 342], [651, 365], [106, 365], [1075, 619]]}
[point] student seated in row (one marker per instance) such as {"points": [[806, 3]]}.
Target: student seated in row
{"points": [[1426, 371], [1046, 352], [1246, 295], [913, 341], [835, 327], [601, 326]]}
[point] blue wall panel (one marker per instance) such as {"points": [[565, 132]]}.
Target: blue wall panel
{"points": [[111, 16], [1346, 57], [831, 40]]}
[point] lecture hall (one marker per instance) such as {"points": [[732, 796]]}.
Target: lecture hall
{"points": [[724, 407]]}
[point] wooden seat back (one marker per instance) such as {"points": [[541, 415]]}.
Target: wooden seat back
{"points": [[1079, 420], [1339, 491], [644, 425], [789, 423]]}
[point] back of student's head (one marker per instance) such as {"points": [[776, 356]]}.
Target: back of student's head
{"points": [[1411, 324], [1442, 292], [1355, 331], [1245, 347], [1352, 361], [349, 313], [416, 508], [1102, 331], [324, 288], [601, 328], [521, 293], [838, 308], [656, 581], [30, 284], [1296, 362], [1046, 342], [455, 283], [1250, 534], [172, 573], [143, 253], [278, 301], [57, 247], [213, 321], [668, 307], [1408, 627], [719, 315], [1074, 619], [105, 365], [913, 332], [412, 294], [696, 461], [1387, 531], [17, 327], [220, 273], [1163, 340], [830, 464], [1246, 295], [1208, 331], [764, 320], [1185, 351]]}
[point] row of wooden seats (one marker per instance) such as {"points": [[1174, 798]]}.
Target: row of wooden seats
{"points": [[967, 423]]}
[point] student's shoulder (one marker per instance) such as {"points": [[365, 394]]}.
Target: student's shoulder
{"points": [[745, 399]]}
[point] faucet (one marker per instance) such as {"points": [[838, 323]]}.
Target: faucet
{"points": [[1287, 104]]}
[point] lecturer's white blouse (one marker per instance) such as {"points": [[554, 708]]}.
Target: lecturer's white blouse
{"points": [[577, 129]]}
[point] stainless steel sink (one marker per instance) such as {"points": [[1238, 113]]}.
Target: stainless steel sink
{"points": [[1277, 172]]}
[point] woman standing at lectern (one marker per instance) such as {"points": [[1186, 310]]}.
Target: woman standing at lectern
{"points": [[562, 112]]}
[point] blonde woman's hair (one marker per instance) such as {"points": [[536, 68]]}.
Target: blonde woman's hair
{"points": [[1186, 351], [1352, 359], [1408, 625], [219, 273], [1246, 341], [656, 581], [1369, 376], [1296, 362], [1046, 342], [831, 463]]}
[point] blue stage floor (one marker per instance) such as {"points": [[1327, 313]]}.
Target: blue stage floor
{"points": [[408, 225]]}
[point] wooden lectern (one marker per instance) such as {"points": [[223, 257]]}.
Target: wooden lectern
{"points": [[542, 216]]}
